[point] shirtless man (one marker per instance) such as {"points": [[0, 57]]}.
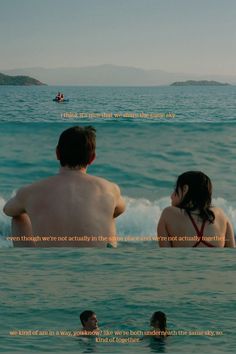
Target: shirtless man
{"points": [[70, 204]]}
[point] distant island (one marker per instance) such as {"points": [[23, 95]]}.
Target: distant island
{"points": [[18, 80], [199, 83]]}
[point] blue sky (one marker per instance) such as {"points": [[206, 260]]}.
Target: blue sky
{"points": [[185, 36]]}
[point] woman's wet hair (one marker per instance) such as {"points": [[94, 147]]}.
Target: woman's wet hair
{"points": [[159, 317], [198, 196]]}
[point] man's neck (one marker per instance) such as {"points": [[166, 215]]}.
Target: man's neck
{"points": [[90, 329], [67, 170]]}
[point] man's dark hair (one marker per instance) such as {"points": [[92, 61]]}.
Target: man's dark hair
{"points": [[84, 316], [76, 146]]}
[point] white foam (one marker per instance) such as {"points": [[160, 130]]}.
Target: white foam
{"points": [[140, 218], [230, 210], [5, 226]]}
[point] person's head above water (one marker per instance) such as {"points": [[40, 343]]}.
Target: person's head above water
{"points": [[193, 191], [76, 147], [89, 320], [158, 320]]}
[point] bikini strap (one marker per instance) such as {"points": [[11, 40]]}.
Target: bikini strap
{"points": [[199, 232]]}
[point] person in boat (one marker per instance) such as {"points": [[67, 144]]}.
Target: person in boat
{"points": [[192, 221], [73, 207], [58, 96]]}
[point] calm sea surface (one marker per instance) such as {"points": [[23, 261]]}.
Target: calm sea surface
{"points": [[195, 104], [46, 289]]}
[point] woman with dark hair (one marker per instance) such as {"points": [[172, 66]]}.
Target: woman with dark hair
{"points": [[192, 221], [158, 321]]}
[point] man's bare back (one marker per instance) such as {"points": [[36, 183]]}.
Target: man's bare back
{"points": [[69, 209], [70, 204]]}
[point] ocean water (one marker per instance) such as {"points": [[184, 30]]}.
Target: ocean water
{"points": [[143, 159], [189, 104], [124, 287], [46, 289]]}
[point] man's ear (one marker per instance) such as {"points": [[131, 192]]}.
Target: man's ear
{"points": [[57, 153], [93, 157]]}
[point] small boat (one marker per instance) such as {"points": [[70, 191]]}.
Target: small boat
{"points": [[60, 101]]}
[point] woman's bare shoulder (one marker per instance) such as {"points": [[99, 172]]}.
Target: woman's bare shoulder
{"points": [[172, 210], [219, 213]]}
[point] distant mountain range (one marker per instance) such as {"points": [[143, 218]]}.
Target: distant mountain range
{"points": [[111, 75], [18, 80]]}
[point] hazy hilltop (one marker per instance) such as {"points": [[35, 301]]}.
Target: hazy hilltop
{"points": [[18, 80], [111, 75]]}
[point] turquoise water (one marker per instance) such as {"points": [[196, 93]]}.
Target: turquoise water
{"points": [[195, 104], [46, 289], [124, 287], [143, 159]]}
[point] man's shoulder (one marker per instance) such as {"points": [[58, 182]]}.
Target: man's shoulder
{"points": [[102, 182], [36, 185]]}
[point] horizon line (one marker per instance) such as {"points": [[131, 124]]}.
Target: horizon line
{"points": [[115, 65]]}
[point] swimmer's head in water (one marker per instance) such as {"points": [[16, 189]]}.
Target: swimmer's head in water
{"points": [[158, 320], [76, 147], [194, 191], [89, 320]]}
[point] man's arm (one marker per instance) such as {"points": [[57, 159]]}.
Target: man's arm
{"points": [[162, 233], [229, 236], [120, 203], [15, 206], [21, 224]]}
